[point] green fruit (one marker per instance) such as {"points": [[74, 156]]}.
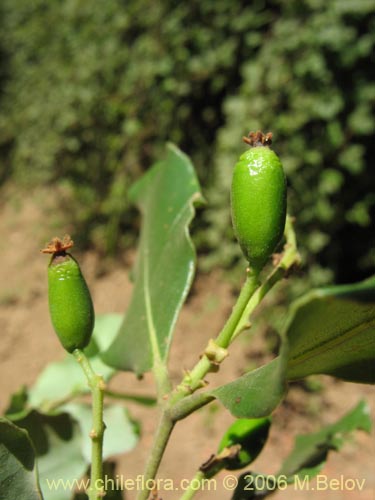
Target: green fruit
{"points": [[258, 200], [70, 303]]}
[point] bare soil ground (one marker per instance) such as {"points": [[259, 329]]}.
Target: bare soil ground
{"points": [[28, 344]]}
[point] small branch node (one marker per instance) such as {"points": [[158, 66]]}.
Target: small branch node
{"points": [[93, 434], [101, 384], [215, 353]]}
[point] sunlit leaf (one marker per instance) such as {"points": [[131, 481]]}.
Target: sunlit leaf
{"points": [[255, 394], [165, 266]]}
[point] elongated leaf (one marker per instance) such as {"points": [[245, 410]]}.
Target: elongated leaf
{"points": [[62, 379], [165, 265], [18, 474], [257, 393], [310, 450], [332, 331]]}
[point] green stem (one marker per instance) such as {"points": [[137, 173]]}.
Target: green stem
{"points": [[97, 386], [48, 407], [181, 402], [289, 258], [194, 379], [162, 435], [163, 382], [251, 284], [193, 382], [142, 400], [184, 407], [194, 486]]}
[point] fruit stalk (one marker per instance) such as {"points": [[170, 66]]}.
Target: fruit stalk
{"points": [[72, 316], [97, 386], [193, 380]]}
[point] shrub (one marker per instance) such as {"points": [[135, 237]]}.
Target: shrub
{"points": [[90, 94]]}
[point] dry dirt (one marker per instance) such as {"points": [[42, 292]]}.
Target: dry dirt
{"points": [[28, 344]]}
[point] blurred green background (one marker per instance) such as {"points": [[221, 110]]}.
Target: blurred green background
{"points": [[91, 91]]}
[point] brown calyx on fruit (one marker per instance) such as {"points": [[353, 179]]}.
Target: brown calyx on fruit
{"points": [[255, 139], [57, 246]]}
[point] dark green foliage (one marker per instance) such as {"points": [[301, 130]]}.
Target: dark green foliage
{"points": [[90, 92], [308, 80]]}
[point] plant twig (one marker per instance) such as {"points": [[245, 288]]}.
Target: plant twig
{"points": [[181, 402], [193, 380], [289, 258], [50, 406], [163, 382], [97, 386], [163, 432], [183, 408], [142, 400], [195, 485]]}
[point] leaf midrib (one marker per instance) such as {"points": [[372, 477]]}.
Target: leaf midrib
{"points": [[323, 347], [156, 356]]}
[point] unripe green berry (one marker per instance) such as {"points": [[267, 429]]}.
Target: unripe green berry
{"points": [[70, 304], [258, 200]]}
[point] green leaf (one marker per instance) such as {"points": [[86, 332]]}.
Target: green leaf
{"points": [[307, 457], [310, 450], [64, 379], [18, 402], [257, 393], [57, 443], [164, 271], [18, 472], [121, 434], [251, 435], [332, 331]]}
